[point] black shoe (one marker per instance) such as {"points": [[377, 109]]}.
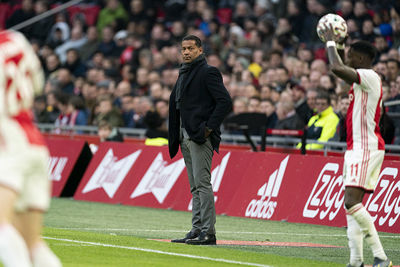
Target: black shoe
{"points": [[382, 263], [188, 236], [203, 239]]}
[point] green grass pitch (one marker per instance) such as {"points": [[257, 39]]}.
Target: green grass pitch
{"points": [[95, 234]]}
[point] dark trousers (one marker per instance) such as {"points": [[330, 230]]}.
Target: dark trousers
{"points": [[198, 164]]}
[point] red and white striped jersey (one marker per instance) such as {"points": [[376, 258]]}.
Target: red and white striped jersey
{"points": [[364, 112], [21, 74]]}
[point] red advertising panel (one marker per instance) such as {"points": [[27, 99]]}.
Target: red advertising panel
{"points": [[64, 155], [269, 186], [309, 189], [108, 170]]}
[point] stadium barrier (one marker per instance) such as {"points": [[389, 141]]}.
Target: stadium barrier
{"points": [[269, 186], [68, 162]]}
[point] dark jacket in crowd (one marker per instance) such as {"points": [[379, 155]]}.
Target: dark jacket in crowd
{"points": [[204, 102], [293, 122]]}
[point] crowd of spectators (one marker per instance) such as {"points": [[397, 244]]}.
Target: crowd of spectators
{"points": [[121, 66]]}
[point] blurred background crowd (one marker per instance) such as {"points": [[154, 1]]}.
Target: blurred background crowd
{"points": [[113, 63]]}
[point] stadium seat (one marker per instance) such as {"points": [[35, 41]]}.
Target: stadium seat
{"points": [[5, 12], [89, 11], [224, 15]]}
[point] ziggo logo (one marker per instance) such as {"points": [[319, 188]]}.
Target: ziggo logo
{"points": [[327, 196]]}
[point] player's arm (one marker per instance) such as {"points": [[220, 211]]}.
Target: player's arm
{"points": [[346, 73]]}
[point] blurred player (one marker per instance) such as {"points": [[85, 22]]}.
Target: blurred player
{"points": [[24, 184], [365, 146]]}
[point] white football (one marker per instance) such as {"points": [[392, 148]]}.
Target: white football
{"points": [[338, 23]]}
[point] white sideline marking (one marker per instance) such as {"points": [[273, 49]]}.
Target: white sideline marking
{"points": [[158, 252], [222, 232]]}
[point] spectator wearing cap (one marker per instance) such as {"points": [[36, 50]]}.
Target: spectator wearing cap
{"points": [[120, 42], [102, 88]]}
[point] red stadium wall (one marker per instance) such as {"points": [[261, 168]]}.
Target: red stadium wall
{"points": [[268, 186]]}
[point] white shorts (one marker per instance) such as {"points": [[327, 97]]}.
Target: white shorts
{"points": [[361, 168], [24, 166]]}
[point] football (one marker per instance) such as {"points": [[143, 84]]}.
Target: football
{"points": [[338, 23]]}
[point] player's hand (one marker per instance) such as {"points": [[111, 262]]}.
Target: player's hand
{"points": [[329, 34]]}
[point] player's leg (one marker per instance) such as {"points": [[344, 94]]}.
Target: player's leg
{"points": [[201, 163], [29, 223], [13, 250], [354, 234], [365, 179], [33, 202]]}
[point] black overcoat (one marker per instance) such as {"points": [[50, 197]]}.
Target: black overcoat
{"points": [[204, 102]]}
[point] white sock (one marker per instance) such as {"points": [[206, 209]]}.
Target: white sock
{"points": [[13, 250], [364, 220], [42, 256], [355, 237]]}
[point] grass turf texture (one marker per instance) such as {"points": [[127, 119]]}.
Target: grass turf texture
{"points": [[133, 226]]}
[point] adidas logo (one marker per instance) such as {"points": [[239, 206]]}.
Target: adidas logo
{"points": [[264, 207]]}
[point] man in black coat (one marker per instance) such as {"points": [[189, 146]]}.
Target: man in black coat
{"points": [[199, 103]]}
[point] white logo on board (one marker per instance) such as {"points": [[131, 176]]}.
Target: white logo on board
{"points": [[56, 168], [111, 172], [264, 207], [159, 178]]}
